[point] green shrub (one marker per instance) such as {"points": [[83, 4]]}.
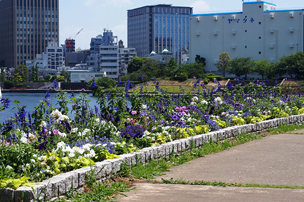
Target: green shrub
{"points": [[8, 84], [105, 82], [19, 85], [181, 77], [212, 76], [206, 80]]}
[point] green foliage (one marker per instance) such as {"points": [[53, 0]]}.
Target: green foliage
{"points": [[16, 183], [21, 74], [2, 75], [223, 63], [19, 85], [48, 77], [135, 64], [200, 60], [193, 70], [240, 66], [15, 156], [8, 84], [264, 68], [180, 77], [58, 78], [35, 73], [292, 65], [212, 76], [65, 74], [105, 82]]}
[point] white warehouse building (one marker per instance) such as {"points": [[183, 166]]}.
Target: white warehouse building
{"points": [[259, 32]]}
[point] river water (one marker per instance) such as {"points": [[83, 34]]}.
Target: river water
{"points": [[30, 100]]}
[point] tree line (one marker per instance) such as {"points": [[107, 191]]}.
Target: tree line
{"points": [[291, 65]]}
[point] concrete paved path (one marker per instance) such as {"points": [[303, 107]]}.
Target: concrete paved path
{"points": [[273, 160]]}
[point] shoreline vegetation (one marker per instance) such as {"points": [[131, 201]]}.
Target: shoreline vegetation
{"points": [[46, 142]]}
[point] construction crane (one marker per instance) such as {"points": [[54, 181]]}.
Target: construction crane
{"points": [[70, 39], [78, 33]]}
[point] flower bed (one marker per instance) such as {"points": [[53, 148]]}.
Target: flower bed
{"points": [[49, 146]]}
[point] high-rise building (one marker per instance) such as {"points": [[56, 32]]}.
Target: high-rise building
{"points": [[26, 28], [159, 27]]}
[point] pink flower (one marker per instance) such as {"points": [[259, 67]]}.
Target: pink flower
{"points": [[132, 121], [133, 112], [56, 132], [178, 109]]}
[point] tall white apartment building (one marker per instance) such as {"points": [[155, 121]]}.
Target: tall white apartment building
{"points": [[108, 57], [54, 56], [259, 31], [125, 55]]}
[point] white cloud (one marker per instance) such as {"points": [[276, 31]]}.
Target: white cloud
{"points": [[99, 3], [200, 6], [121, 31]]}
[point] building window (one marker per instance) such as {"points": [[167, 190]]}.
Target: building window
{"points": [[260, 23], [260, 52], [246, 30], [260, 6], [260, 37], [245, 46]]}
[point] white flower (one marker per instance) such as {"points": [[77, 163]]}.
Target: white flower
{"points": [[78, 150], [97, 120], [63, 118], [74, 130], [9, 167], [24, 140], [34, 155], [52, 158], [92, 154], [204, 102], [193, 103], [194, 99], [103, 122], [33, 161], [61, 145], [56, 114], [85, 131], [72, 154], [43, 124], [87, 146], [62, 134], [146, 133], [27, 165], [218, 100], [143, 106]]}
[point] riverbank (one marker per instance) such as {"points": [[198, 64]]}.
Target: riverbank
{"points": [[43, 91]]}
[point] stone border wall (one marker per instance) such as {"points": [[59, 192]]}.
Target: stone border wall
{"points": [[60, 184]]}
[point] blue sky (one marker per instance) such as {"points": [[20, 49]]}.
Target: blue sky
{"points": [[95, 15]]}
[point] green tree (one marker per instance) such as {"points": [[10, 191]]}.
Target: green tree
{"points": [[200, 60], [2, 75], [34, 75], [65, 74], [293, 65], [48, 77], [135, 64], [171, 67], [105, 82], [223, 63], [21, 74], [264, 68], [240, 66], [192, 70]]}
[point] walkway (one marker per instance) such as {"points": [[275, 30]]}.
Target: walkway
{"points": [[273, 160]]}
